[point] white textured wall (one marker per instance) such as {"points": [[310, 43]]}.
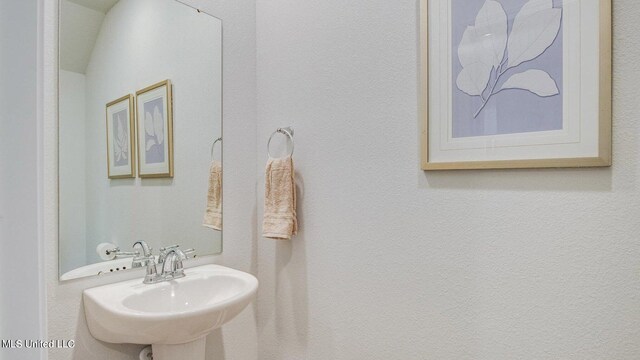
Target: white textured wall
{"points": [[20, 278], [395, 263], [238, 339], [72, 154]]}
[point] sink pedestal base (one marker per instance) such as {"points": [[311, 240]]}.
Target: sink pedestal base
{"points": [[194, 350]]}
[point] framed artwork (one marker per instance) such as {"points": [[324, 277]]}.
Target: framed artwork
{"points": [[155, 130], [120, 135], [515, 83]]}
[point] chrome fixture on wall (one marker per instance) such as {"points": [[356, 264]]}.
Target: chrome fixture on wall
{"points": [[288, 131]]}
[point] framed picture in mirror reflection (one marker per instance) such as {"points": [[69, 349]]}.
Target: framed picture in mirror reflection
{"points": [[155, 130], [120, 135]]}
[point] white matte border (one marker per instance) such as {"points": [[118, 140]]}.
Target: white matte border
{"points": [[580, 136]]}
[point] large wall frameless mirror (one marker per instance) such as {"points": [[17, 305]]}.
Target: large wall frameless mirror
{"points": [[140, 120]]}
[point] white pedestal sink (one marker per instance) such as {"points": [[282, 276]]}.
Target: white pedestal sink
{"points": [[173, 316]]}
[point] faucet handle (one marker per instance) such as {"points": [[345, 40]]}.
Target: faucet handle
{"points": [[167, 248], [189, 253], [118, 254]]}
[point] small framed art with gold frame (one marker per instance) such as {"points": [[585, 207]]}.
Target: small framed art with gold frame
{"points": [[155, 130], [515, 84], [120, 136]]}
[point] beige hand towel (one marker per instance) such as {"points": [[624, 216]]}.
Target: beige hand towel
{"points": [[213, 214], [280, 221]]}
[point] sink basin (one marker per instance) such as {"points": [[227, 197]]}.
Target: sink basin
{"points": [[173, 316]]}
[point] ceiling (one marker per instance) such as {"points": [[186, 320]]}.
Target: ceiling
{"points": [[102, 6], [79, 28]]}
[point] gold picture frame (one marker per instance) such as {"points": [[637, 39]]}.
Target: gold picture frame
{"points": [[154, 110], [120, 133], [602, 39]]}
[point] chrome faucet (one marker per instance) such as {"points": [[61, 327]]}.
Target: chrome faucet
{"points": [[169, 263], [146, 250], [164, 251], [147, 259], [173, 258]]}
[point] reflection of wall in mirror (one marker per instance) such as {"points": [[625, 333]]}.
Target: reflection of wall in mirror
{"points": [[72, 169], [140, 43]]}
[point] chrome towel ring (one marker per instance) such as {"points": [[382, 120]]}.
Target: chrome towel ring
{"points": [[288, 131], [214, 144]]}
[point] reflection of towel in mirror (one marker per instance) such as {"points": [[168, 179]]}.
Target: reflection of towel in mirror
{"points": [[280, 220], [213, 214]]}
